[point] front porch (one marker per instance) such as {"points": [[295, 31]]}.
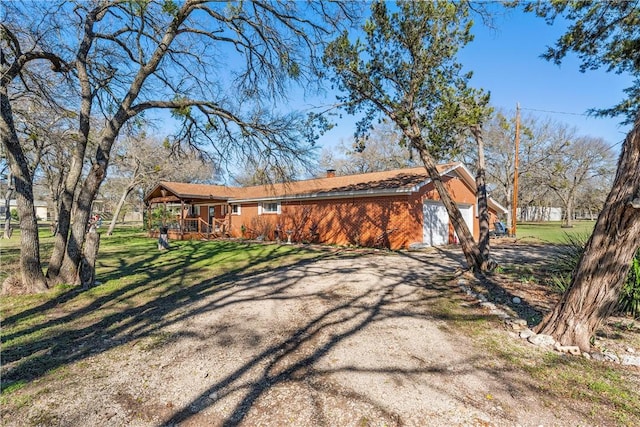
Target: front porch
{"points": [[187, 213], [193, 229]]}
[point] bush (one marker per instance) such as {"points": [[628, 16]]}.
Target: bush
{"points": [[567, 260], [14, 215], [630, 296]]}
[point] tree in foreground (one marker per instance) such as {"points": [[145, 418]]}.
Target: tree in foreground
{"points": [[603, 34], [405, 70], [217, 66]]}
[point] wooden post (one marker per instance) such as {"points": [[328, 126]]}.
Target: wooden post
{"points": [[515, 173], [181, 223]]}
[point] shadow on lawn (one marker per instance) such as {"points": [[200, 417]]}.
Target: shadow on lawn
{"points": [[394, 293], [56, 342]]}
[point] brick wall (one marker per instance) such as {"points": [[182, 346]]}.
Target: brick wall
{"points": [[390, 221]]}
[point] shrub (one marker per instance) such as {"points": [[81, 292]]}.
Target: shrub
{"points": [[567, 260], [262, 227], [630, 296]]}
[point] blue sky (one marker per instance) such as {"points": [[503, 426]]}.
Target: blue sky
{"points": [[506, 61]]}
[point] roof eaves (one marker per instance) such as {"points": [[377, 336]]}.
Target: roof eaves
{"points": [[327, 195], [497, 205]]}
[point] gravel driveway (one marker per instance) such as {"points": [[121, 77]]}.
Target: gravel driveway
{"points": [[368, 339]]}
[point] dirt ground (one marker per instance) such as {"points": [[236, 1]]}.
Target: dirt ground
{"points": [[366, 340]]}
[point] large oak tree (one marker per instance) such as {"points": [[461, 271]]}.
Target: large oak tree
{"points": [[219, 67]]}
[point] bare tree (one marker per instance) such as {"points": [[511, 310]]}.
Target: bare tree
{"points": [[132, 57], [381, 150], [19, 56], [140, 162], [574, 166]]}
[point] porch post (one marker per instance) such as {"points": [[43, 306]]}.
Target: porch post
{"points": [[147, 209], [181, 219]]}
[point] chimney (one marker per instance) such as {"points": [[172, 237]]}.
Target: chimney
{"points": [[331, 173]]}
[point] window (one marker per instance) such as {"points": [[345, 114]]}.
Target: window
{"points": [[235, 209], [269, 208], [195, 210]]}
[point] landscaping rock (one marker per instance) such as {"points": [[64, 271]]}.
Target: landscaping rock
{"points": [[542, 340], [502, 315], [569, 349], [525, 334], [488, 305], [610, 357], [630, 360], [516, 300]]}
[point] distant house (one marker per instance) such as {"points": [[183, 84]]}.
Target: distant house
{"points": [[539, 213], [40, 207], [393, 209]]}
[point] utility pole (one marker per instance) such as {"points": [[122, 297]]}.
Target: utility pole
{"points": [[515, 173]]}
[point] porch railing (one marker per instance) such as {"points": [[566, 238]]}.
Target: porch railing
{"points": [[198, 225]]}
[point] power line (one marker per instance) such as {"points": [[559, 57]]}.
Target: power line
{"points": [[556, 112], [611, 146]]}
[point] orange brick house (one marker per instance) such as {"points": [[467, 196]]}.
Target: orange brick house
{"points": [[393, 209]]}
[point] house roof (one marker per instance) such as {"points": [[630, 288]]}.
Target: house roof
{"points": [[375, 183]]}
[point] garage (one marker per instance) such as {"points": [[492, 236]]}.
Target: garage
{"points": [[435, 225]]}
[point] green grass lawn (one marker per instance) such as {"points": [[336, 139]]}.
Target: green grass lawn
{"points": [[137, 283], [43, 335], [552, 232]]}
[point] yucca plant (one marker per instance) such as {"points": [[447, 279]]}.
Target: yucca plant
{"points": [[567, 260], [630, 297]]}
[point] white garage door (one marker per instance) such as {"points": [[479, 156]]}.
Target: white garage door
{"points": [[435, 224], [467, 214]]}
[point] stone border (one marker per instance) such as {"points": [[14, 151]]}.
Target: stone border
{"points": [[520, 329]]}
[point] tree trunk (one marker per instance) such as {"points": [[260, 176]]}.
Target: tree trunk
{"points": [[7, 207], [509, 207], [65, 209], [119, 206], [85, 199], [73, 254], [30, 268], [569, 205], [75, 170], [604, 266], [87, 270], [469, 248], [127, 191], [483, 204]]}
